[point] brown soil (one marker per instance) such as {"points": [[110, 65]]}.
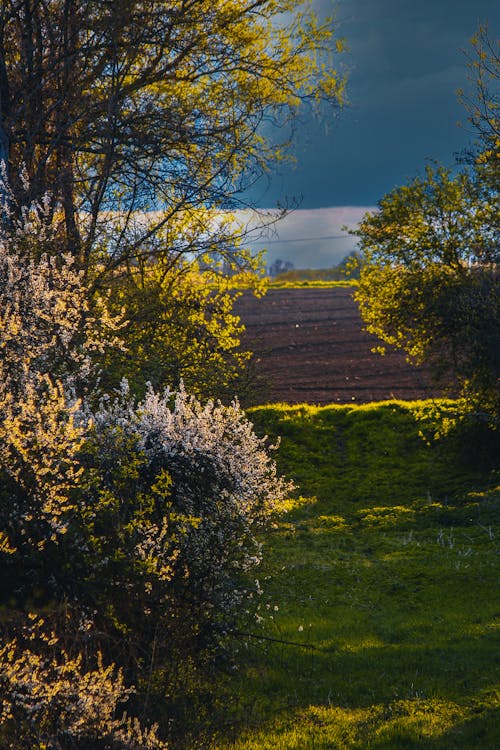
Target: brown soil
{"points": [[310, 346]]}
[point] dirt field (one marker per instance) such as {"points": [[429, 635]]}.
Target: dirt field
{"points": [[310, 347]]}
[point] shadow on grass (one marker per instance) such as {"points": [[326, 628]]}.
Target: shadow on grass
{"points": [[385, 572]]}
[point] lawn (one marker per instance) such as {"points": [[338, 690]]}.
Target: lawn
{"points": [[380, 612]]}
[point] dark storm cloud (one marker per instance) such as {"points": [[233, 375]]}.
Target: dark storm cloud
{"points": [[406, 61]]}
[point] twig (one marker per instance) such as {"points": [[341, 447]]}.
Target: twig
{"points": [[276, 640]]}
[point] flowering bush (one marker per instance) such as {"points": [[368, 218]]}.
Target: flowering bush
{"points": [[50, 693], [51, 698], [49, 327], [209, 484], [42, 309], [48, 335], [136, 519]]}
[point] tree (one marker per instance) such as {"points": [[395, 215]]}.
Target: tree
{"points": [[429, 283], [139, 124], [280, 266], [483, 105], [180, 327], [114, 109]]}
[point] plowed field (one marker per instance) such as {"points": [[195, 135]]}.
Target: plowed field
{"points": [[310, 347]]}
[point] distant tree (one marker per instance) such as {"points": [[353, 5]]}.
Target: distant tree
{"points": [[280, 266], [350, 266]]}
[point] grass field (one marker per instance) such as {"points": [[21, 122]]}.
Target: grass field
{"points": [[380, 607], [317, 283]]}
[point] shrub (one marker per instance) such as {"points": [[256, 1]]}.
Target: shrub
{"points": [[175, 493], [181, 325], [50, 699], [130, 528], [48, 336]]}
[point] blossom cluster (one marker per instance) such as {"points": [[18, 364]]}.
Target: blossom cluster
{"points": [[137, 518], [55, 695], [222, 486]]}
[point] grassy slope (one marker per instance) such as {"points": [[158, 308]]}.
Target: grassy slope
{"points": [[386, 573]]}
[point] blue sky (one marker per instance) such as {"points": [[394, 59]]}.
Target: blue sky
{"points": [[406, 60]]}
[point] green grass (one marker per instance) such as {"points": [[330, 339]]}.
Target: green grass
{"points": [[384, 573], [300, 283]]}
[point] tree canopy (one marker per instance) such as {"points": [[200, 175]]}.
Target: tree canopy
{"points": [[430, 276], [117, 108], [133, 128]]}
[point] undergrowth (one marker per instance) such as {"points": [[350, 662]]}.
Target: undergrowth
{"points": [[380, 614]]}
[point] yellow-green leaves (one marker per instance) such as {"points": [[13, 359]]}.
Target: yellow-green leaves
{"points": [[181, 326], [429, 282], [177, 106]]}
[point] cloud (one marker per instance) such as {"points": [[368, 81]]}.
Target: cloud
{"points": [[309, 238], [405, 63]]}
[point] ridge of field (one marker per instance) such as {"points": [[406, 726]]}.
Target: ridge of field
{"points": [[313, 283], [309, 346], [379, 620]]}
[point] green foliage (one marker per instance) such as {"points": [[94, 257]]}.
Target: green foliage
{"points": [[430, 280], [429, 283], [127, 531], [180, 326], [437, 218], [382, 576]]}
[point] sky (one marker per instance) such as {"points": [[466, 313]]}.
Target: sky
{"points": [[405, 63]]}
